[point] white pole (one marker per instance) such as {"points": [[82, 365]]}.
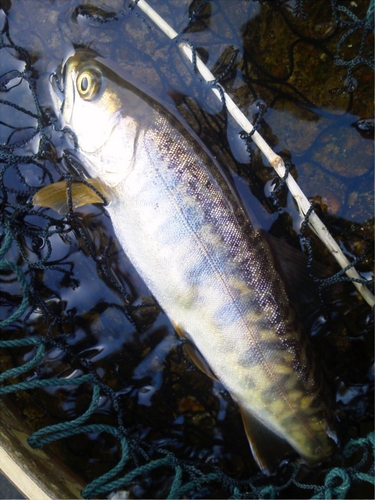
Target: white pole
{"points": [[275, 160]]}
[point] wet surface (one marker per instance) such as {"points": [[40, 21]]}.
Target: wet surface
{"points": [[87, 299], [8, 490]]}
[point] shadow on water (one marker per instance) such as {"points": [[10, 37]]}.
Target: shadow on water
{"points": [[87, 301]]}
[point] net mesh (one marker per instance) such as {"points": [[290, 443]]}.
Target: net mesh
{"points": [[49, 336]]}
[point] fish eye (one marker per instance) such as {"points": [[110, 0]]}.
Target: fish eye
{"points": [[88, 84]]}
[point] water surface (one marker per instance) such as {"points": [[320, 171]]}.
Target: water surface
{"points": [[88, 300]]}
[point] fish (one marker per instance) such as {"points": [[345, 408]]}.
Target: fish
{"points": [[183, 226]]}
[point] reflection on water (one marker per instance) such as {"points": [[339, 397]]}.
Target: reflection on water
{"points": [[88, 300]]}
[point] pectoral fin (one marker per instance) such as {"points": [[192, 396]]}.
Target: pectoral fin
{"points": [[268, 449], [56, 195]]}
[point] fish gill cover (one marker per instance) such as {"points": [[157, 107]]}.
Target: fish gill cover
{"points": [[86, 351]]}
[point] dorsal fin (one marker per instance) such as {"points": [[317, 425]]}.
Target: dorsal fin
{"points": [[292, 264], [55, 195]]}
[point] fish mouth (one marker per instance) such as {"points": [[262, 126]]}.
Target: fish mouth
{"points": [[59, 88], [56, 89]]}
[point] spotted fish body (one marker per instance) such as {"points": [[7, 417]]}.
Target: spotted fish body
{"points": [[184, 229]]}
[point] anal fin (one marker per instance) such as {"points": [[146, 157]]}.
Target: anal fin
{"points": [[268, 448]]}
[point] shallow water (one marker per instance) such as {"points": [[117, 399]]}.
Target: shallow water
{"points": [[96, 311], [7, 489]]}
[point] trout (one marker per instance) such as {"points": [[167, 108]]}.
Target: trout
{"points": [[183, 226]]}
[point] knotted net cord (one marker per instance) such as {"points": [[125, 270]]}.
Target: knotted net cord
{"points": [[137, 457]]}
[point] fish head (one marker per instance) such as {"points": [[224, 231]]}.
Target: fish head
{"points": [[100, 108]]}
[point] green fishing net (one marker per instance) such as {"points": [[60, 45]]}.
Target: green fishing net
{"points": [[87, 355]]}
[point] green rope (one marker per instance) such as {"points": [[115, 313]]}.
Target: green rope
{"points": [[25, 288], [371, 12], [102, 484], [20, 342], [63, 429], [40, 384], [267, 492], [7, 243], [207, 478], [366, 478], [176, 485], [19, 370], [337, 481], [332, 491], [359, 444], [4, 264]]}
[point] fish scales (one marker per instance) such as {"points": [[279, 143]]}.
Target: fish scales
{"points": [[183, 227], [215, 274]]}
